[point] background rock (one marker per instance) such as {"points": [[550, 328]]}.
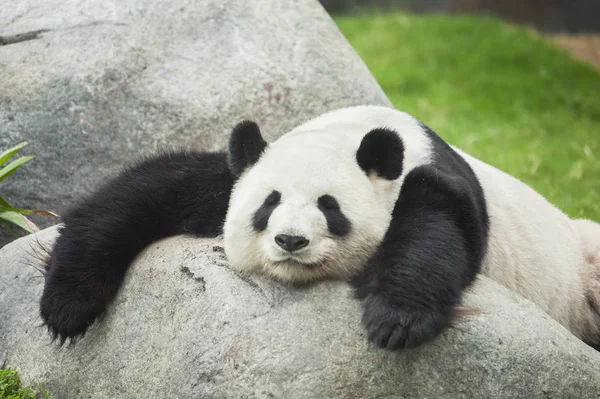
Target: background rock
{"points": [[187, 326], [107, 81]]}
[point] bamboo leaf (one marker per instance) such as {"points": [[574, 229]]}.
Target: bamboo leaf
{"points": [[27, 211], [3, 203], [19, 220], [10, 152], [14, 165], [5, 207]]}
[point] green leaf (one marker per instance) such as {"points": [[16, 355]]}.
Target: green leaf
{"points": [[28, 211], [4, 203], [14, 165], [19, 220], [11, 151], [16, 210], [5, 207]]}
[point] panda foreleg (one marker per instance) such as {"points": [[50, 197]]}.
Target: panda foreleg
{"points": [[178, 193], [432, 250]]}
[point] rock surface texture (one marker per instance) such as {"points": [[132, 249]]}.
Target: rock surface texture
{"points": [[96, 84], [186, 326]]}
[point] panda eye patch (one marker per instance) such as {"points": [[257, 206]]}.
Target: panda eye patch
{"points": [[260, 219], [337, 223], [328, 202], [273, 198]]}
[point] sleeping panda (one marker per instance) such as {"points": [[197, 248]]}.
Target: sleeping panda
{"points": [[364, 194]]}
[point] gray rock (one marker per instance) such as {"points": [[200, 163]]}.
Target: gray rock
{"points": [[187, 326], [103, 82]]}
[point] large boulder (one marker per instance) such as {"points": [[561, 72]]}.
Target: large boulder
{"points": [[185, 325], [95, 84]]}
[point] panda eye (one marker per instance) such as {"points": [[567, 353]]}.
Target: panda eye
{"points": [[273, 198], [328, 202]]}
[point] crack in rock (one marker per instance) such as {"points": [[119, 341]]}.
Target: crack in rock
{"points": [[21, 37], [186, 270]]}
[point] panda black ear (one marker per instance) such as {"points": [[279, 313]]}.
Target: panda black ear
{"points": [[245, 146], [381, 152]]}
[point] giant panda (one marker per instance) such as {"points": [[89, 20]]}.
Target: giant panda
{"points": [[364, 194]]}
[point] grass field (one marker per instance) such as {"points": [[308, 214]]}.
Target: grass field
{"points": [[500, 92]]}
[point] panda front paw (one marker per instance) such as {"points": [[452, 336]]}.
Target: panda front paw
{"points": [[70, 303], [66, 316], [397, 327]]}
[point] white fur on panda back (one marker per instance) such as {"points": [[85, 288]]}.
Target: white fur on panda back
{"points": [[589, 234], [533, 247]]}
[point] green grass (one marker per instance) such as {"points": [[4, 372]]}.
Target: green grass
{"points": [[500, 92], [11, 387]]}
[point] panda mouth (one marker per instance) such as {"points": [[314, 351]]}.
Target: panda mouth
{"points": [[291, 262]]}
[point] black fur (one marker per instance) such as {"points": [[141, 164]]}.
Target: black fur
{"points": [[432, 251], [260, 219], [245, 146], [180, 193], [475, 230], [381, 151], [337, 223]]}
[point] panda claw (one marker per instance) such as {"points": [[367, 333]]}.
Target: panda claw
{"points": [[397, 337], [62, 337], [394, 328], [379, 336]]}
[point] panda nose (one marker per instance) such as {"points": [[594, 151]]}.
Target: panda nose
{"points": [[291, 243]]}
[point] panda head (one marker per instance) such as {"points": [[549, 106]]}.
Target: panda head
{"points": [[304, 209]]}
